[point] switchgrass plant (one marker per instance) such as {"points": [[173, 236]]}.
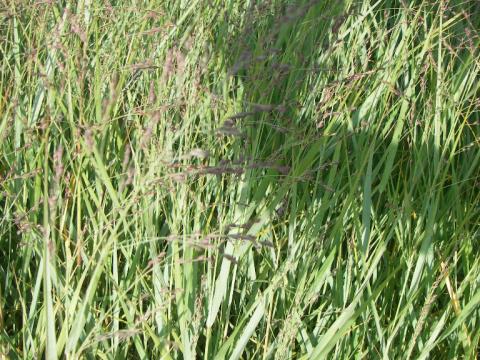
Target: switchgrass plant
{"points": [[239, 179]]}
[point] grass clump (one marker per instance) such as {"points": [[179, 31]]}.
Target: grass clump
{"points": [[228, 179]]}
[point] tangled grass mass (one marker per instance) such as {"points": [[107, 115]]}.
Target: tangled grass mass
{"points": [[227, 179]]}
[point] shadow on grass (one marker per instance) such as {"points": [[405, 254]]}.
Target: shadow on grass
{"points": [[360, 147]]}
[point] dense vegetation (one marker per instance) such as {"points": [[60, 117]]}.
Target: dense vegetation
{"points": [[239, 179]]}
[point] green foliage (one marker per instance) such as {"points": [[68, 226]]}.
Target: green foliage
{"points": [[239, 179]]}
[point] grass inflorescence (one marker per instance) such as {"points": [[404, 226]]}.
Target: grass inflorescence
{"points": [[239, 179]]}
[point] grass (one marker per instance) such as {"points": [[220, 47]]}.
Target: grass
{"points": [[239, 179]]}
